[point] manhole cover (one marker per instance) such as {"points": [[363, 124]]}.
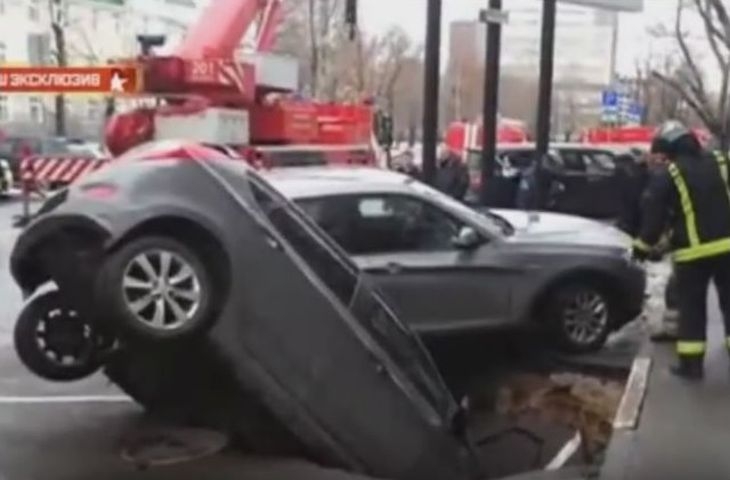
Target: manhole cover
{"points": [[167, 446]]}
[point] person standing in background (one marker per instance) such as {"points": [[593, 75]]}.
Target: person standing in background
{"points": [[452, 176]]}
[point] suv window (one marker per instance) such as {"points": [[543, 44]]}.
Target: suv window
{"points": [[54, 146], [337, 274], [520, 159], [599, 162], [573, 160], [374, 224]]}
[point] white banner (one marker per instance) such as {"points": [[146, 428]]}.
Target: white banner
{"points": [[617, 5]]}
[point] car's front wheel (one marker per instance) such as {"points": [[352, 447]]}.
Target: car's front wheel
{"points": [[581, 316], [157, 289]]}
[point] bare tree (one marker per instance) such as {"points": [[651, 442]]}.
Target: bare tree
{"points": [[660, 101], [689, 81], [396, 49], [57, 14], [312, 32]]}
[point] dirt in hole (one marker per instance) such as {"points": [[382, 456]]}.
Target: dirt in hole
{"points": [[581, 403]]}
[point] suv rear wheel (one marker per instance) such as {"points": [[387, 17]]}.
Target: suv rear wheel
{"points": [[158, 289]]}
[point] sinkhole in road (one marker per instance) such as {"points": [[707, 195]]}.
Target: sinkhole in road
{"points": [[534, 409]]}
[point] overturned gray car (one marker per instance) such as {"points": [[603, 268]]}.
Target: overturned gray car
{"points": [[207, 296]]}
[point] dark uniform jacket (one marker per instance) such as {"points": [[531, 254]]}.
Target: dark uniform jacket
{"points": [[452, 178], [633, 179], [690, 198]]}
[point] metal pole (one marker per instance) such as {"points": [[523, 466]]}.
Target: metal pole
{"points": [[431, 89], [614, 47], [491, 99], [547, 50]]}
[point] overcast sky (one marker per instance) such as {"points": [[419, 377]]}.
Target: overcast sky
{"points": [[379, 15]]}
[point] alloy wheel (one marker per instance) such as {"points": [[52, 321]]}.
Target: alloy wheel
{"points": [[161, 289], [585, 317]]}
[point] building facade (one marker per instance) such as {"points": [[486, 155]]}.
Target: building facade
{"points": [[585, 53], [96, 31]]}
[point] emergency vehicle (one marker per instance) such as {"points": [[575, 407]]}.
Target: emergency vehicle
{"points": [[206, 93]]}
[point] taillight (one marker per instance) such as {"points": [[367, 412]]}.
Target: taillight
{"points": [[99, 191]]}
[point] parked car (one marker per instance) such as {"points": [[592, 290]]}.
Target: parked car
{"points": [[448, 268], [584, 179], [205, 293]]}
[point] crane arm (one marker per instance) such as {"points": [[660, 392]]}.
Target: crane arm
{"points": [[271, 18], [220, 29]]}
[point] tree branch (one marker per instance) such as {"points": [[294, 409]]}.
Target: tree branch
{"points": [[712, 37], [696, 106]]}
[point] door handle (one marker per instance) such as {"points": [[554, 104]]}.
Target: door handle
{"points": [[393, 267]]}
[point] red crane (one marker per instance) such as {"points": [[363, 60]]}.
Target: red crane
{"points": [[210, 96]]}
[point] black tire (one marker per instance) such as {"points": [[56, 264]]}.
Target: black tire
{"points": [[116, 302], [36, 357], [562, 300]]}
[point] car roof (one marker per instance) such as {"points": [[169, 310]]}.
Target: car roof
{"points": [[553, 146], [304, 182]]}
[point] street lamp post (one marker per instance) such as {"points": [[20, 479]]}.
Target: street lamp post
{"points": [[542, 141], [431, 89], [492, 19]]}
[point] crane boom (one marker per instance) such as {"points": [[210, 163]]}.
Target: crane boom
{"points": [[220, 29], [271, 18]]}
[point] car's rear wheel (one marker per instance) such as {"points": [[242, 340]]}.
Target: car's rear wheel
{"points": [[54, 342], [158, 289], [581, 315]]}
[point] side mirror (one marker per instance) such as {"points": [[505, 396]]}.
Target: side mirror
{"points": [[467, 238]]}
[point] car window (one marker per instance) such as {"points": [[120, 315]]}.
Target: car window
{"points": [[52, 145], [335, 216], [520, 159], [336, 274], [573, 161], [400, 223], [599, 162]]}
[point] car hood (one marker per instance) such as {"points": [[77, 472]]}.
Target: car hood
{"points": [[545, 227]]}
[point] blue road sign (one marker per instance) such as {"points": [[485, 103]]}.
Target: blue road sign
{"points": [[609, 98]]}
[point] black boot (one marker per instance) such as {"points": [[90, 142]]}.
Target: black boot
{"points": [[690, 368]]}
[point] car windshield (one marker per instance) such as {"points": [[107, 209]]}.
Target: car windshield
{"points": [[495, 224]]}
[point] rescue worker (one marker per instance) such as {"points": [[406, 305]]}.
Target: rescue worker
{"points": [[691, 196], [452, 176], [635, 170]]}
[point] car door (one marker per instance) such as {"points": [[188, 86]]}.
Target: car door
{"points": [[406, 245], [568, 183], [603, 184]]}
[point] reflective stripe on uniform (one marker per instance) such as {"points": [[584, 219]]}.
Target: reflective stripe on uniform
{"points": [[686, 202], [690, 348], [697, 250], [640, 244], [722, 163], [708, 249]]}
